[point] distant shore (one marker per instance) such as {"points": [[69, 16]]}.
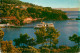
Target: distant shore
{"points": [[22, 26]]}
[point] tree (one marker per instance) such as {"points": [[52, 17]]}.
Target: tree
{"points": [[47, 13], [31, 49], [8, 13], [10, 1], [17, 15], [32, 42], [24, 40], [45, 50], [53, 34], [75, 38], [1, 35], [6, 46], [47, 35], [41, 34], [17, 42]]}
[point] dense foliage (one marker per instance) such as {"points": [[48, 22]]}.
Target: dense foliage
{"points": [[47, 35], [1, 34], [25, 44], [75, 38], [24, 40], [7, 47], [10, 1], [22, 10]]}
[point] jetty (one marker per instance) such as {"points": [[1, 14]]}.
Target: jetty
{"points": [[13, 26], [21, 26], [10, 26]]}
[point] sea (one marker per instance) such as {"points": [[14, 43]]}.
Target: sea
{"points": [[66, 28]]}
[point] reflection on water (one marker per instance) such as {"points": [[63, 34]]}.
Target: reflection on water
{"points": [[66, 28]]}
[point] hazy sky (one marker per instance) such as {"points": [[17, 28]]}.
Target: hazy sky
{"points": [[55, 3]]}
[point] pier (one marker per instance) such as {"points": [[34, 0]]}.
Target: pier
{"points": [[16, 26], [13, 26], [21, 26]]}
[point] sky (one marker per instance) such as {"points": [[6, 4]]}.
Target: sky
{"points": [[55, 3]]}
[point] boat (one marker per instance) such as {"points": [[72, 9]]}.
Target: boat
{"points": [[43, 24]]}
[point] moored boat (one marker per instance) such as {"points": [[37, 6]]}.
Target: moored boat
{"points": [[43, 24]]}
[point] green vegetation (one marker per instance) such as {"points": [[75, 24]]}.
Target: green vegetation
{"points": [[47, 37], [7, 47], [76, 39], [24, 40], [77, 18], [17, 11], [1, 34]]}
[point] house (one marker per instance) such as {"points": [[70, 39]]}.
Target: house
{"points": [[35, 19], [28, 20], [16, 6], [23, 7]]}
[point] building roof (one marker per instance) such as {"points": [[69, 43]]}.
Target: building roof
{"points": [[28, 19], [9, 18]]}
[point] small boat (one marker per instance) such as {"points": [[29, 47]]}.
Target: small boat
{"points": [[43, 24]]}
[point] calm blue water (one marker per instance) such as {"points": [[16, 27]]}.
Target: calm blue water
{"points": [[67, 28], [73, 14]]}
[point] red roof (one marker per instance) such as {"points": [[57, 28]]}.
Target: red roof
{"points": [[11, 18]]}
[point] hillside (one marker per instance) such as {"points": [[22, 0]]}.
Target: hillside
{"points": [[67, 9], [21, 10]]}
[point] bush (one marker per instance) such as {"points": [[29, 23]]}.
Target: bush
{"points": [[30, 49], [45, 50]]}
